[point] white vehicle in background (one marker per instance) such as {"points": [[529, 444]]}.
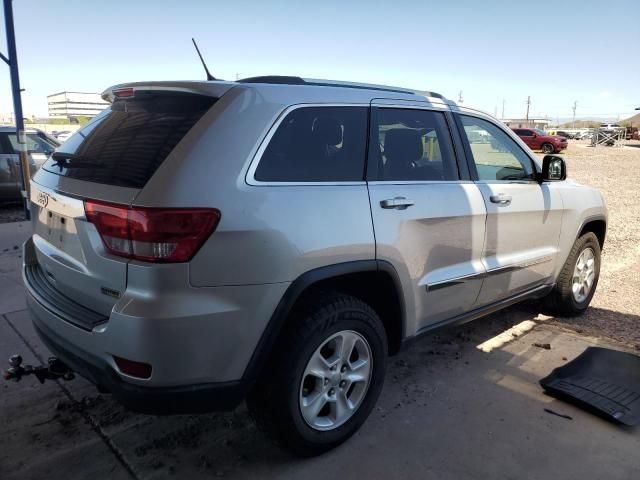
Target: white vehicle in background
{"points": [[583, 135], [63, 136]]}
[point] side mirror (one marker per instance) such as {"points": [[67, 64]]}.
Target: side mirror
{"points": [[553, 169], [534, 135]]}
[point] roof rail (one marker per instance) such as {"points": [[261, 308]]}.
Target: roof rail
{"points": [[274, 79], [291, 80]]}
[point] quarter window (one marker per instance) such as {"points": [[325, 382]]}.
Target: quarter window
{"points": [[413, 145], [317, 144], [497, 156]]}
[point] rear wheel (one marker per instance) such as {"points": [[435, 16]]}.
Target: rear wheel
{"points": [[327, 378], [548, 148], [578, 279]]}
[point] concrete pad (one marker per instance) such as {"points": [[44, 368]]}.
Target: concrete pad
{"points": [[44, 435]]}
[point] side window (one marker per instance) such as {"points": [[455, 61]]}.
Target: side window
{"points": [[5, 146], [317, 144], [413, 145], [35, 144], [498, 157], [525, 133]]}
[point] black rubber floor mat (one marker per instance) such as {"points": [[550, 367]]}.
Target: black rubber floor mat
{"points": [[604, 381]]}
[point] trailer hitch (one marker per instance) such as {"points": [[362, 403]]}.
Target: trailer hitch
{"points": [[54, 370]]}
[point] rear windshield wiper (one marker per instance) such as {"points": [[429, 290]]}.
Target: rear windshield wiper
{"points": [[71, 160]]}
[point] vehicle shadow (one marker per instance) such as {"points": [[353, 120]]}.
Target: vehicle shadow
{"points": [[229, 444], [620, 326]]}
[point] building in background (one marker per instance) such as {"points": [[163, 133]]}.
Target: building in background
{"points": [[75, 104], [541, 123]]}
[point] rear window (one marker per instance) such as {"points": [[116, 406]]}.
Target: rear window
{"points": [[317, 144], [125, 144]]}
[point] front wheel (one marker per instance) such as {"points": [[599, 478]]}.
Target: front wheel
{"points": [[548, 148], [578, 279], [327, 376]]}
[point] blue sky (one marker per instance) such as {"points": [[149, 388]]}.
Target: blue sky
{"points": [[556, 52]]}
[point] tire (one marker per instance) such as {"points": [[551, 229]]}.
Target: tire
{"points": [[562, 300], [547, 148], [282, 393]]}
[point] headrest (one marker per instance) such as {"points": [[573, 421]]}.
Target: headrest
{"points": [[403, 145], [327, 130]]}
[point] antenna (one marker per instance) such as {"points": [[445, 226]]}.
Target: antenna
{"points": [[209, 76]]}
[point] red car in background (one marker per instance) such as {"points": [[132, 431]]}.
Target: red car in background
{"points": [[540, 140]]}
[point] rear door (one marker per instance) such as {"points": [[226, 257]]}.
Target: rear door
{"points": [[523, 216], [109, 160], [428, 220]]}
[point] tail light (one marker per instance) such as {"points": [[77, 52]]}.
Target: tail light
{"points": [[163, 235]]}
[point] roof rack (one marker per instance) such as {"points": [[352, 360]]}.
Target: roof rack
{"points": [[291, 80]]}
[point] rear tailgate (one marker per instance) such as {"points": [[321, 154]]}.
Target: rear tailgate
{"points": [[69, 250], [110, 160]]}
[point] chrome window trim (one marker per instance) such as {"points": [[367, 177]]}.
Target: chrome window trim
{"points": [[250, 178], [442, 108], [420, 182]]}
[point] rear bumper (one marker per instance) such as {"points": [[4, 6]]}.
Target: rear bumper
{"points": [[198, 341], [196, 398]]}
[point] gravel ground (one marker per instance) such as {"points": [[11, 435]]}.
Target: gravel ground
{"points": [[615, 308]]}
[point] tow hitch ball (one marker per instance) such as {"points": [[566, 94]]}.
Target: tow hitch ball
{"points": [[54, 370]]}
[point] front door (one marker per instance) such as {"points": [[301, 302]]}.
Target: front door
{"points": [[427, 222], [523, 216]]}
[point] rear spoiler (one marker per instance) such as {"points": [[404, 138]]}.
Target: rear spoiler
{"points": [[210, 89]]}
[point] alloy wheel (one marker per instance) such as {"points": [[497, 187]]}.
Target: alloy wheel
{"points": [[335, 380]]}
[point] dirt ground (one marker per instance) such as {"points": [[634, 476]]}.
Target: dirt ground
{"points": [[615, 308]]}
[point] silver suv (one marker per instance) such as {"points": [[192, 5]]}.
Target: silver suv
{"points": [[276, 238]]}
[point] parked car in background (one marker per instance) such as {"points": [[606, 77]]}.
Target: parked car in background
{"points": [[178, 259], [39, 146], [539, 140], [632, 133], [610, 126], [63, 136], [564, 134], [583, 135]]}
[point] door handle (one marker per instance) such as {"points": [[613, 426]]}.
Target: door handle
{"points": [[501, 199], [399, 203]]}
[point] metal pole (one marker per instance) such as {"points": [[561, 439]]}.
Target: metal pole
{"points": [[528, 104], [12, 60], [575, 105]]}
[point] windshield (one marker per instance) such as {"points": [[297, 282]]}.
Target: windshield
{"points": [[539, 132]]}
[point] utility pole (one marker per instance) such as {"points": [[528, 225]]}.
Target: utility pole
{"points": [[460, 99], [575, 105], [503, 102], [12, 60], [528, 105]]}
